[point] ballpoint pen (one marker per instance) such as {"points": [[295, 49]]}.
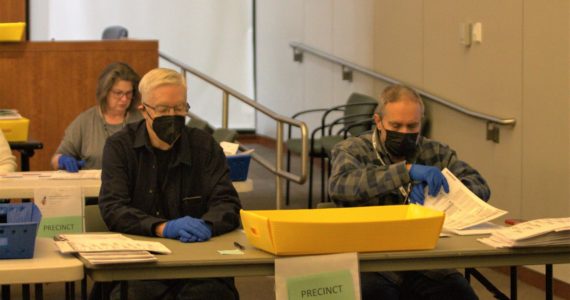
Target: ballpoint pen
{"points": [[239, 246]]}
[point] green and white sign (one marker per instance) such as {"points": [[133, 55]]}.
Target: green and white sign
{"points": [[336, 285], [62, 210]]}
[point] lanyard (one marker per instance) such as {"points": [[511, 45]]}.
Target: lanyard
{"points": [[404, 191]]}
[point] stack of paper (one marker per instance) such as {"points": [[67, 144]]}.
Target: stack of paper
{"points": [[82, 174], [539, 232], [9, 114], [109, 248], [462, 208], [115, 257]]}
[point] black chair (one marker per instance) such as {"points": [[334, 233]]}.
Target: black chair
{"points": [[115, 33], [358, 108]]}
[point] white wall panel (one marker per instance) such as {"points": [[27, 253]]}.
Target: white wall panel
{"points": [[214, 37], [342, 28]]}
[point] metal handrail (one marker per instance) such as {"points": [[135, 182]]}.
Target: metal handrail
{"points": [[299, 48], [276, 169]]}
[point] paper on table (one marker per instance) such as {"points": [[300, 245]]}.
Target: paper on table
{"points": [[35, 175], [82, 174], [28, 175], [539, 232], [113, 257], [483, 228], [461, 206], [105, 242]]}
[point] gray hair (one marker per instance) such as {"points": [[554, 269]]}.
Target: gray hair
{"points": [[394, 93], [158, 77]]}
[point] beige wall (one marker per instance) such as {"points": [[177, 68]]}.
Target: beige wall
{"points": [[342, 28], [520, 70]]}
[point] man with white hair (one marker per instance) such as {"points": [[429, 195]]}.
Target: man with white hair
{"points": [[161, 178]]}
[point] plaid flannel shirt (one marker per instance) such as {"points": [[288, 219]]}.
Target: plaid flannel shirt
{"points": [[358, 177]]}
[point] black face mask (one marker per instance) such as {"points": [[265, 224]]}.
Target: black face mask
{"points": [[168, 128], [401, 144]]}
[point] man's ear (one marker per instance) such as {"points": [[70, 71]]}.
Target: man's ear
{"points": [[377, 120]]}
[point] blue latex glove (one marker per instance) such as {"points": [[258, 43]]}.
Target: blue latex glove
{"points": [[187, 229], [69, 163], [418, 195], [432, 176]]}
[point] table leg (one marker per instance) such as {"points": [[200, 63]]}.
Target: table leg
{"points": [[548, 284], [84, 288], [70, 290], [124, 290], [514, 279], [39, 291], [6, 292], [26, 291], [25, 159], [488, 285]]}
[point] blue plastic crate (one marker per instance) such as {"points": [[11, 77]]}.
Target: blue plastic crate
{"points": [[18, 227], [239, 166]]}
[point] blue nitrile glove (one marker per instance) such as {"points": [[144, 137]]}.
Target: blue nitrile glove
{"points": [[187, 229], [418, 193], [432, 176], [69, 163]]}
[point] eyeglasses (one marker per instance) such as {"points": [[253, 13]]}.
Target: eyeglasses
{"points": [[119, 94], [180, 109]]}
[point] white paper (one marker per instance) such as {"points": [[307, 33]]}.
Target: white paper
{"points": [[28, 175], [124, 257], [35, 175], [9, 114], [59, 201], [484, 228], [106, 242], [229, 148], [462, 207], [82, 174], [539, 232]]}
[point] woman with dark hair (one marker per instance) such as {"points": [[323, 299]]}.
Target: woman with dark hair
{"points": [[117, 100]]}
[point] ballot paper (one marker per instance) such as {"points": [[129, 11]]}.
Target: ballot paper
{"points": [[9, 114], [109, 248], [60, 174], [70, 243], [539, 232], [462, 208], [82, 174], [113, 257]]}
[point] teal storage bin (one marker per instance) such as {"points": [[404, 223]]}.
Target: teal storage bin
{"points": [[18, 228], [239, 166]]}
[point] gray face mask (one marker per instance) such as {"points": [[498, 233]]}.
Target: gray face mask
{"points": [[168, 128]]}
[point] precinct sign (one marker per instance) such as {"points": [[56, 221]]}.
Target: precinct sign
{"points": [[317, 277], [336, 285]]}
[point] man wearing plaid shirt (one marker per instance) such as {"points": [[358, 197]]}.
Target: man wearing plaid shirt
{"points": [[395, 165]]}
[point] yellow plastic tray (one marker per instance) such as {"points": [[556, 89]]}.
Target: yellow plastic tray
{"points": [[15, 130], [336, 230], [12, 32]]}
